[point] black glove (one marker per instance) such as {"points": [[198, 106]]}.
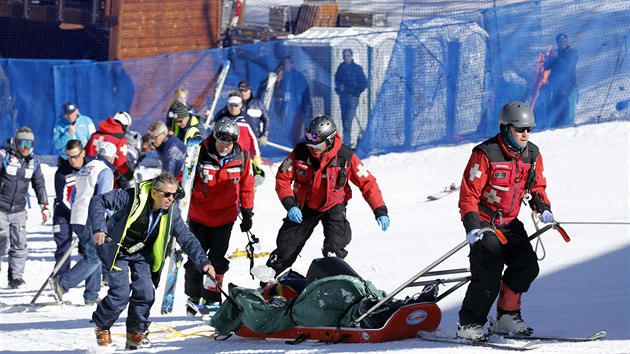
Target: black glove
{"points": [[247, 222]]}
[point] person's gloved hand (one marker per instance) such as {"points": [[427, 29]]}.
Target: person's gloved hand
{"points": [[547, 217], [383, 222], [295, 215], [247, 222], [45, 213], [473, 236], [263, 140], [257, 161]]}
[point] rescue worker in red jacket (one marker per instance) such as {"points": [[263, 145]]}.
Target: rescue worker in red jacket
{"points": [[223, 183], [312, 184], [502, 172], [113, 130]]}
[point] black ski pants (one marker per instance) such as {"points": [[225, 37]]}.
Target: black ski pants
{"points": [[215, 242], [293, 236], [487, 258]]}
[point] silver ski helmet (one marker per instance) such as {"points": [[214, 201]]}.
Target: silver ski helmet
{"points": [[322, 128], [226, 130], [517, 114]]}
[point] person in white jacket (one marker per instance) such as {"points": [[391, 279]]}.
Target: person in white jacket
{"points": [[96, 177]]}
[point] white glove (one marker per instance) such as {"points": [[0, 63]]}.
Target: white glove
{"points": [[473, 236], [45, 213]]}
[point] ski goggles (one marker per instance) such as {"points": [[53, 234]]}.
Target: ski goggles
{"points": [[225, 137], [25, 144], [522, 129]]}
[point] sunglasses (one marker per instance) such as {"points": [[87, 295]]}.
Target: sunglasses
{"points": [[154, 137], [225, 137], [25, 144], [166, 194], [523, 129], [72, 157]]}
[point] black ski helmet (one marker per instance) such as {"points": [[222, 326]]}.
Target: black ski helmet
{"points": [[226, 129], [517, 114], [322, 128]]}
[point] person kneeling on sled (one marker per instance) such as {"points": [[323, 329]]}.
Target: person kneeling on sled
{"points": [[132, 246], [501, 172], [223, 183], [312, 184]]}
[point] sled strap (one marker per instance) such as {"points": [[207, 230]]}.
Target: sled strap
{"points": [[251, 241]]}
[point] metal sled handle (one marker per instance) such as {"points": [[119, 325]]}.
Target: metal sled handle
{"points": [[420, 274]]}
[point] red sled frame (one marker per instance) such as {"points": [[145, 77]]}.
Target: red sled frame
{"points": [[405, 322]]}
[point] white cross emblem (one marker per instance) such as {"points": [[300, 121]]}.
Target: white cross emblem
{"points": [[97, 142], [363, 171], [474, 172], [492, 196], [286, 165], [123, 149]]}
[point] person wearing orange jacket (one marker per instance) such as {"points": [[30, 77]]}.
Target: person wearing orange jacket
{"points": [[312, 184], [501, 173], [223, 183]]}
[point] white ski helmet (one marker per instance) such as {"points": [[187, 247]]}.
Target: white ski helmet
{"points": [[123, 118]]}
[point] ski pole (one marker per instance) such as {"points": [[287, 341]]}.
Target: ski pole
{"points": [[56, 269], [279, 147]]}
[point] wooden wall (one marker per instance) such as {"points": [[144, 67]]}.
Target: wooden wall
{"points": [[144, 28]]}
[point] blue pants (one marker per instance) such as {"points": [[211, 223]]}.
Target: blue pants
{"points": [[88, 268], [63, 238], [348, 105], [118, 296]]}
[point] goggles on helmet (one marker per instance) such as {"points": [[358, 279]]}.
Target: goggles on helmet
{"points": [[225, 137]]}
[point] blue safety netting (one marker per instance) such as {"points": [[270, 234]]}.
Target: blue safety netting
{"points": [[434, 80]]}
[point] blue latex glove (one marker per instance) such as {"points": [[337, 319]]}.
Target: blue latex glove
{"points": [[547, 217], [473, 236], [295, 215], [383, 222]]}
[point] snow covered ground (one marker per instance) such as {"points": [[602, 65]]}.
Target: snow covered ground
{"points": [[584, 285]]}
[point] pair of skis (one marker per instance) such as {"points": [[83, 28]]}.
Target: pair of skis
{"points": [[530, 342], [193, 146]]}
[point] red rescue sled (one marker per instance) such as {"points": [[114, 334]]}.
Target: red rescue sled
{"points": [[404, 323]]}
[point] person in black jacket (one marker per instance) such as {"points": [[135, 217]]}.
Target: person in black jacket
{"points": [[350, 82], [19, 168]]}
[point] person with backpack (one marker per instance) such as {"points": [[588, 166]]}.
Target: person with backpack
{"points": [[113, 130], [502, 173], [223, 184], [20, 167], [312, 184]]}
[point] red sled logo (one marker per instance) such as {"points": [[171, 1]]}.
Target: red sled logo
{"points": [[416, 317]]}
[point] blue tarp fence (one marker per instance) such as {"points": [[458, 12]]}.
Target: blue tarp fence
{"points": [[433, 81]]}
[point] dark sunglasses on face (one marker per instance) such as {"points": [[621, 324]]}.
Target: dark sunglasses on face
{"points": [[72, 157], [166, 194], [522, 129], [25, 144], [313, 139], [225, 137]]}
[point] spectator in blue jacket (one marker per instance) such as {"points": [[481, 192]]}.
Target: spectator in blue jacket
{"points": [[170, 150], [73, 125], [292, 99], [19, 168], [133, 245], [350, 82]]}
